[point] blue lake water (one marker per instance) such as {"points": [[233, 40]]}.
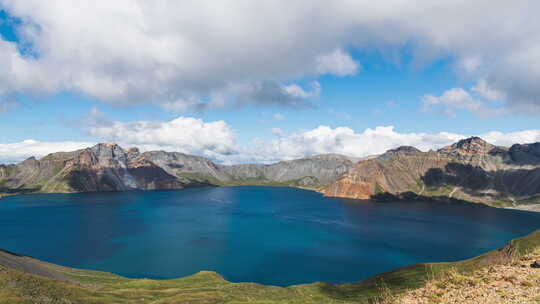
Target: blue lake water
{"points": [[269, 235]]}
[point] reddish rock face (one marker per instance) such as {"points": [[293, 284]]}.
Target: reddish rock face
{"points": [[349, 188], [471, 170]]}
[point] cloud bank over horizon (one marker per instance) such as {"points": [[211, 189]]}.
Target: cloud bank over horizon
{"points": [[216, 140], [167, 58], [185, 55]]}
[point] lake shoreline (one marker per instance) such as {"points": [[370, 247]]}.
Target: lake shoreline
{"points": [[532, 208], [29, 277], [300, 224]]}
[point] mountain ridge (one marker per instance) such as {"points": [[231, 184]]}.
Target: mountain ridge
{"points": [[109, 167], [471, 170]]}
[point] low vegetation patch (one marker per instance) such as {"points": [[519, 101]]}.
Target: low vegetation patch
{"points": [[513, 281], [427, 283]]}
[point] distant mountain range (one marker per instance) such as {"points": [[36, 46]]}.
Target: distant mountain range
{"points": [[109, 167], [469, 170]]}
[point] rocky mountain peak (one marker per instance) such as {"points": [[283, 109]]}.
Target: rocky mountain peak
{"points": [[108, 155], [111, 145], [404, 149], [333, 157], [107, 149], [471, 145], [30, 162], [133, 152], [399, 151]]}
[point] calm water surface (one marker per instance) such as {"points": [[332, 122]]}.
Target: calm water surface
{"points": [[269, 235]]}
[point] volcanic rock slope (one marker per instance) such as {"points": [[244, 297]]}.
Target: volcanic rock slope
{"points": [[311, 171], [104, 167], [108, 167], [471, 170]]}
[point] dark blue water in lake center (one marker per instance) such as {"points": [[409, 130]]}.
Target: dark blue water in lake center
{"points": [[269, 235]]}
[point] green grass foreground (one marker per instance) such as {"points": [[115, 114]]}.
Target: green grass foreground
{"points": [[83, 286]]}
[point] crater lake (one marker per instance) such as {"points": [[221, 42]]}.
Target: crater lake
{"points": [[269, 235]]}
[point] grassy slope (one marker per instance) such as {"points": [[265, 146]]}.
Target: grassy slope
{"points": [[57, 183], [209, 287]]}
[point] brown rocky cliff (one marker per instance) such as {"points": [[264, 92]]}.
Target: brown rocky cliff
{"points": [[471, 170], [360, 182]]}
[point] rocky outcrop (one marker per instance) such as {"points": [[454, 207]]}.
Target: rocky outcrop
{"points": [[525, 154], [471, 170]]}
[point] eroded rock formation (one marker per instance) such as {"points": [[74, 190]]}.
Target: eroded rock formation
{"points": [[471, 170]]}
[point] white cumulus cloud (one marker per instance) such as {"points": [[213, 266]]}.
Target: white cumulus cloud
{"points": [[371, 141], [216, 140], [15, 152], [460, 99], [485, 91], [203, 54], [183, 134], [337, 63], [456, 98]]}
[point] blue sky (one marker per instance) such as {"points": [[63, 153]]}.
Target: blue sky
{"points": [[381, 94], [362, 85]]}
